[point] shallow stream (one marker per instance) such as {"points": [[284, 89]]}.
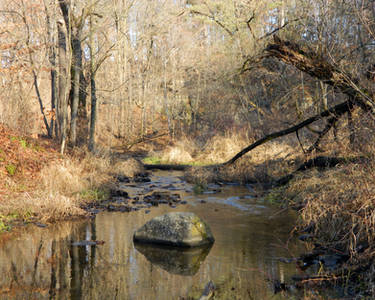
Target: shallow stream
{"points": [[243, 263]]}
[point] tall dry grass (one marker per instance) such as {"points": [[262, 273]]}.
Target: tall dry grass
{"points": [[263, 164], [340, 203], [66, 185]]}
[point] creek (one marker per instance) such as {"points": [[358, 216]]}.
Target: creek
{"points": [[252, 238]]}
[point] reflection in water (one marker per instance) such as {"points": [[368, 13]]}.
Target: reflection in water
{"points": [[179, 261], [43, 264]]}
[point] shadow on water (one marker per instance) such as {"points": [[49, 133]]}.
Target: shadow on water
{"points": [[43, 263], [175, 260]]}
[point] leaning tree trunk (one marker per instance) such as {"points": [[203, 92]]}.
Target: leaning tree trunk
{"points": [[317, 67]]}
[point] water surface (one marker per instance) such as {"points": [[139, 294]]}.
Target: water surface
{"points": [[251, 236]]}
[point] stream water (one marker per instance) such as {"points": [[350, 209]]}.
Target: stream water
{"points": [[251, 237]]}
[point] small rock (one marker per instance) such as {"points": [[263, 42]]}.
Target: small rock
{"points": [[40, 225], [119, 193], [122, 178], [142, 177], [125, 208]]}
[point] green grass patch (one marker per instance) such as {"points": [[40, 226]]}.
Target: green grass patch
{"points": [[152, 160], [7, 220], [11, 169], [37, 148], [199, 163], [4, 226], [275, 196], [23, 143], [199, 188], [95, 195]]}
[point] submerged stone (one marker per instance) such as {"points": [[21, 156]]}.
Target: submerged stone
{"points": [[181, 229]]}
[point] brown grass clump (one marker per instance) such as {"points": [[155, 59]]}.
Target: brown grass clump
{"points": [[43, 207], [64, 186], [220, 148], [181, 151], [340, 203], [128, 167]]}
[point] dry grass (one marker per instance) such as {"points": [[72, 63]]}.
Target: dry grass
{"points": [[43, 207], [340, 202], [181, 151], [339, 205], [128, 167], [219, 148], [263, 164], [64, 186]]}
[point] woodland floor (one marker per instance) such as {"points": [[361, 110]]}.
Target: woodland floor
{"points": [[21, 160]]}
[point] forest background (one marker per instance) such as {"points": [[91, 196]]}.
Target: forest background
{"points": [[192, 82]]}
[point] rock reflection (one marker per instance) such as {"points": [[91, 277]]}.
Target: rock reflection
{"points": [[178, 261]]}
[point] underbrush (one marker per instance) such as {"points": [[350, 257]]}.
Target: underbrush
{"points": [[61, 188], [262, 164], [338, 208]]}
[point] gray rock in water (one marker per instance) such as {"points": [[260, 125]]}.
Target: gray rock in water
{"points": [[181, 229]]}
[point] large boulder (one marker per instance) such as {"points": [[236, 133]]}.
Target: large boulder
{"points": [[180, 229]]}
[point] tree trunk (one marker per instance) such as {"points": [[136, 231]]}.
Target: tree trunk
{"points": [[51, 35], [62, 107], [91, 144], [77, 67], [93, 113]]}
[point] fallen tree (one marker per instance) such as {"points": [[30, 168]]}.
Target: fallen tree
{"points": [[336, 111], [317, 67]]}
